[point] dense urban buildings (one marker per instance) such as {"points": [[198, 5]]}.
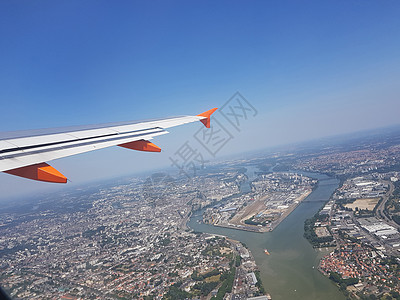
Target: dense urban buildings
{"points": [[129, 238]]}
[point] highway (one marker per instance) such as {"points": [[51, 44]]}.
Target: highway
{"points": [[380, 213]]}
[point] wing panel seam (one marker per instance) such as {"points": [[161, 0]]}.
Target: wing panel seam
{"points": [[70, 141]]}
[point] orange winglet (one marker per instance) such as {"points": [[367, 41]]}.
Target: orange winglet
{"points": [[207, 114], [40, 172], [141, 145]]}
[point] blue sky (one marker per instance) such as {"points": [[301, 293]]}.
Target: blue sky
{"points": [[310, 68]]}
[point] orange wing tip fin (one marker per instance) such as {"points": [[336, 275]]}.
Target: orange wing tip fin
{"points": [[40, 172], [207, 114], [141, 145]]}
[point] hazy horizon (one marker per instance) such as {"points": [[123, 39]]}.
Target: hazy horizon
{"points": [[309, 69], [46, 189]]}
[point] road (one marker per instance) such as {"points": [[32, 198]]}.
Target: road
{"points": [[381, 207]]}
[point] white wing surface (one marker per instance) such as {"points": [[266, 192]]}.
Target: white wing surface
{"points": [[25, 153]]}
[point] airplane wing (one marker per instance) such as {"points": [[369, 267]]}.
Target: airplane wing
{"points": [[25, 153]]}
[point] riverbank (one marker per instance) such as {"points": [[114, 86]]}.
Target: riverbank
{"points": [[241, 227], [296, 203], [290, 272]]}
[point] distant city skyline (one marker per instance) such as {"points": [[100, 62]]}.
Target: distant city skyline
{"points": [[310, 69]]}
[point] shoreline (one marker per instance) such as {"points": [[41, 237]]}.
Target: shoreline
{"points": [[290, 210], [274, 224], [240, 228]]}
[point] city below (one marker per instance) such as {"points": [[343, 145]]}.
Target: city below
{"points": [[132, 238]]}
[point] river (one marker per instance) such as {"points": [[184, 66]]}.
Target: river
{"points": [[290, 272]]}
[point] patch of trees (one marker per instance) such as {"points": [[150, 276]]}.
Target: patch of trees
{"points": [[392, 206], [396, 218], [227, 279], [310, 234], [336, 277], [364, 212], [211, 251], [395, 295], [259, 283], [396, 191], [367, 297], [195, 276], [176, 293], [205, 287], [165, 242], [251, 221], [237, 260]]}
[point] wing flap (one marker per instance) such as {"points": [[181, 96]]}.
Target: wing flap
{"points": [[141, 145], [40, 172]]}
